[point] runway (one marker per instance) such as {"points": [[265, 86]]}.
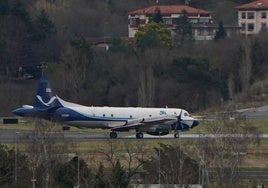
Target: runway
{"points": [[11, 136], [254, 113]]}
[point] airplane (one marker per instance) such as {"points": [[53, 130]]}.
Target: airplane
{"points": [[153, 121]]}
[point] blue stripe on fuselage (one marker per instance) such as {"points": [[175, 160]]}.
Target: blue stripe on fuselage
{"points": [[68, 114]]}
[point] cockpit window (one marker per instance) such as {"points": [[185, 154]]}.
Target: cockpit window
{"points": [[186, 114]]}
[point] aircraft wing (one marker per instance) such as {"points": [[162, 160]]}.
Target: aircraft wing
{"points": [[160, 120], [136, 123]]}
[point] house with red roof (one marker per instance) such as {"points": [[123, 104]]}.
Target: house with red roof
{"points": [[252, 17], [202, 24]]}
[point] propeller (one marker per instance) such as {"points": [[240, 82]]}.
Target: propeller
{"points": [[179, 124]]}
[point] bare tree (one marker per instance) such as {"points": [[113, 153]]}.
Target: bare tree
{"points": [[47, 147], [246, 64], [74, 68], [134, 158], [131, 156], [223, 151], [146, 90], [171, 164], [231, 85]]}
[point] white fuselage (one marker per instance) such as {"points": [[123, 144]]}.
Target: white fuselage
{"points": [[110, 117]]}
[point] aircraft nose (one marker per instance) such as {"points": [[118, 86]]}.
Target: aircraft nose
{"points": [[195, 123]]}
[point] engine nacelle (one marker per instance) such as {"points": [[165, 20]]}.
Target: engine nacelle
{"points": [[158, 133], [180, 127]]}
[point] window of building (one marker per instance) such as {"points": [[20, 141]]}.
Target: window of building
{"points": [[210, 32], [202, 20], [250, 15], [243, 26], [193, 21], [263, 15], [263, 25], [243, 15], [200, 32], [167, 21], [133, 21], [250, 27]]}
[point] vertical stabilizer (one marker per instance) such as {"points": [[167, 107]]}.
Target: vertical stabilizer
{"points": [[45, 96]]}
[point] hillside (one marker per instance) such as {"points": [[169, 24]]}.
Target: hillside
{"points": [[193, 75]]}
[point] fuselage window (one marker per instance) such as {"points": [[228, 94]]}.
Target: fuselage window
{"points": [[112, 115], [93, 114], [130, 116], [103, 115], [175, 113], [150, 115], [186, 114]]}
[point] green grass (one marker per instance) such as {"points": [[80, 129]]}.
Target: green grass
{"points": [[20, 126]]}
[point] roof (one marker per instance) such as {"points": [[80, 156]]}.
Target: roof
{"points": [[169, 9], [254, 5]]}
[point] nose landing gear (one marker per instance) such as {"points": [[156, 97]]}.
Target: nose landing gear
{"points": [[176, 135], [139, 135]]}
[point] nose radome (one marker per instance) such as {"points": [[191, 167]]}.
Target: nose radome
{"points": [[195, 123]]}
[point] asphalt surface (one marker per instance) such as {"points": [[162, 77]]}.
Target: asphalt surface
{"points": [[9, 136], [253, 175], [254, 113]]}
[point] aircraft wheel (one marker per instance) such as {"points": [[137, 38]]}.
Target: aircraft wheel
{"points": [[139, 135], [176, 135], [113, 135]]}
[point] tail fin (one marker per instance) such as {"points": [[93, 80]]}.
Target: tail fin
{"points": [[45, 97]]}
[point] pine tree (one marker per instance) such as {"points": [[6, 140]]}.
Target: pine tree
{"points": [[156, 17], [44, 27], [220, 34], [119, 177], [184, 27], [99, 180]]}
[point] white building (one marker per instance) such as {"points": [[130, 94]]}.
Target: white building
{"points": [[202, 24], [170, 14], [252, 17]]}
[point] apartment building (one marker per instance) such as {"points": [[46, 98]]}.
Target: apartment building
{"points": [[203, 27], [200, 19], [252, 17]]}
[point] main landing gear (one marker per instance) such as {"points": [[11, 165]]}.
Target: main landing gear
{"points": [[113, 135], [139, 135]]}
